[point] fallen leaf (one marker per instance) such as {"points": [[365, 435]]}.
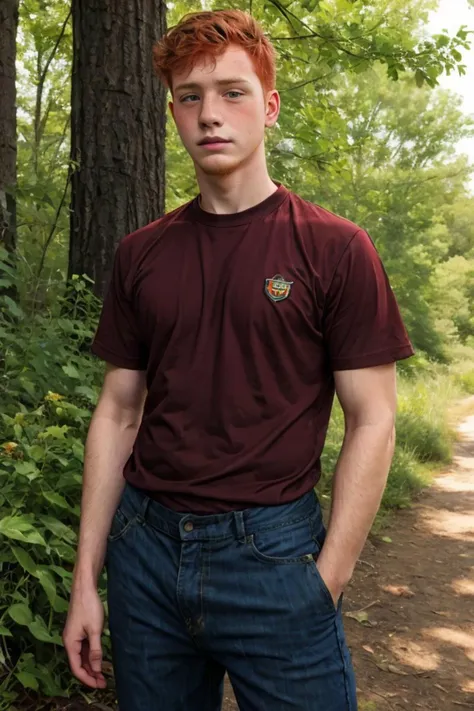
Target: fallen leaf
{"points": [[399, 590], [362, 617], [391, 668], [368, 649], [386, 539], [395, 670]]}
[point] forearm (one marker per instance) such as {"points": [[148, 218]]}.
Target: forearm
{"points": [[358, 484], [108, 446]]}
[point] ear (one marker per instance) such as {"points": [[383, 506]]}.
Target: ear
{"points": [[273, 108], [171, 108]]}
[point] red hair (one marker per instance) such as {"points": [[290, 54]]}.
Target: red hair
{"points": [[206, 35]]}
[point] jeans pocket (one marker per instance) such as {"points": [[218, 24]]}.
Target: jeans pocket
{"points": [[121, 523], [292, 543], [324, 588]]}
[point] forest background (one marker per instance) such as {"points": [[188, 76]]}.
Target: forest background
{"points": [[87, 154]]}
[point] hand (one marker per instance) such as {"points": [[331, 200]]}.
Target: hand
{"points": [[82, 634], [335, 589]]}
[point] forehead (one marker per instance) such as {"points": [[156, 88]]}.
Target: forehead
{"points": [[235, 62]]}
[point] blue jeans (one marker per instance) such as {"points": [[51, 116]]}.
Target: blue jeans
{"points": [[191, 597]]}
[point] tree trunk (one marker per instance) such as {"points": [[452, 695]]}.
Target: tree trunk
{"points": [[118, 129], [8, 27]]}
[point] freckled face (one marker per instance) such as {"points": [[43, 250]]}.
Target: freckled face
{"points": [[226, 102]]}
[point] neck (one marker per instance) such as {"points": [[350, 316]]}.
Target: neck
{"points": [[240, 190]]}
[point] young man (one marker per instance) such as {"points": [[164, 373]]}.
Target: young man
{"points": [[228, 325]]}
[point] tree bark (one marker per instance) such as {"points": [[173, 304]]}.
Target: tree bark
{"points": [[117, 129], [8, 27]]}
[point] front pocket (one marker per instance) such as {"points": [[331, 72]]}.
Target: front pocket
{"points": [[322, 585], [286, 544], [120, 525]]}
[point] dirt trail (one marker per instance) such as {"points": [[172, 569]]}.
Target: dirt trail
{"points": [[409, 610], [420, 652]]}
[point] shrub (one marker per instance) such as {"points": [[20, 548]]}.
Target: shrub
{"points": [[48, 387]]}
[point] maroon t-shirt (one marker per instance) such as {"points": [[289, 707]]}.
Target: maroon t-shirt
{"points": [[239, 321]]}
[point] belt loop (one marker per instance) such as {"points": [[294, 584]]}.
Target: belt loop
{"points": [[240, 525], [144, 508]]}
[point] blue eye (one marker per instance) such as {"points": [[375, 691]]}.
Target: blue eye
{"points": [[190, 96], [235, 92]]}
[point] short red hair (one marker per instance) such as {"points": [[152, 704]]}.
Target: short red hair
{"points": [[206, 35]]}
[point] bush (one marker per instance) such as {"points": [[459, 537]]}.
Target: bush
{"points": [[423, 435], [427, 440], [405, 480], [48, 387], [466, 381]]}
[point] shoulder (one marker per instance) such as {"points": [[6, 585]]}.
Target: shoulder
{"points": [[323, 224], [137, 243]]}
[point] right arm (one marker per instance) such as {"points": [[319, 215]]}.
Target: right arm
{"points": [[112, 432]]}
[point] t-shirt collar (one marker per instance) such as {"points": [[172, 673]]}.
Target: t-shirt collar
{"points": [[239, 218]]}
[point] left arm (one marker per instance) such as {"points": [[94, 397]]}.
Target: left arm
{"points": [[368, 397]]}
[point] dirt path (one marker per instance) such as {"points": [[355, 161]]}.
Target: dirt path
{"points": [[413, 642]]}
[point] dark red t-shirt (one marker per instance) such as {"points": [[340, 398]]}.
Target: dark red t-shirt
{"points": [[240, 321]]}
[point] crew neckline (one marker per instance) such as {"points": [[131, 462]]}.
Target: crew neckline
{"points": [[244, 216]]}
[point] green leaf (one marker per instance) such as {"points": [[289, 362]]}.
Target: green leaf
{"points": [[21, 614], [13, 307], [20, 529], [386, 539], [54, 432], [61, 572], [60, 604], [88, 392], [5, 632], [34, 537], [27, 680], [419, 77], [78, 451], [48, 584], [39, 630], [37, 452], [25, 560], [49, 684], [28, 469], [56, 499], [58, 528], [14, 523], [71, 371]]}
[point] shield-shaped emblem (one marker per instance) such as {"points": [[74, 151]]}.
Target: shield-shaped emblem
{"points": [[277, 288]]}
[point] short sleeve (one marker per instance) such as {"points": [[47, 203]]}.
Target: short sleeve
{"points": [[117, 339], [362, 322]]}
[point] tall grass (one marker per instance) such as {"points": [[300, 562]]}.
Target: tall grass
{"points": [[425, 433]]}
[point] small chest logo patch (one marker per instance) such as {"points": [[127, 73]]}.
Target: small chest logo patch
{"points": [[277, 288]]}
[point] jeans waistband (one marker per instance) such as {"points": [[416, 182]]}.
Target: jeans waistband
{"points": [[233, 524]]}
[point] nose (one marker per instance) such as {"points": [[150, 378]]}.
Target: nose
{"points": [[209, 114]]}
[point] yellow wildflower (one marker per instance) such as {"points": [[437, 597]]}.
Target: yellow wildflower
{"points": [[53, 397], [9, 447]]}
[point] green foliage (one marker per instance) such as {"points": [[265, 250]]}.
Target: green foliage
{"points": [[48, 387], [424, 434]]}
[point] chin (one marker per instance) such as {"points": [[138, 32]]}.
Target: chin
{"points": [[218, 167]]}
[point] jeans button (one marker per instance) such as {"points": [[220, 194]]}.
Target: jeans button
{"points": [[188, 526]]}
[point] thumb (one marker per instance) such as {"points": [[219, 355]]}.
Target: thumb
{"points": [[95, 653]]}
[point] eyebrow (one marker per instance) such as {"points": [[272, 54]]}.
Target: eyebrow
{"points": [[219, 82]]}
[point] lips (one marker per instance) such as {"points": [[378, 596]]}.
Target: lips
{"points": [[213, 139]]}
